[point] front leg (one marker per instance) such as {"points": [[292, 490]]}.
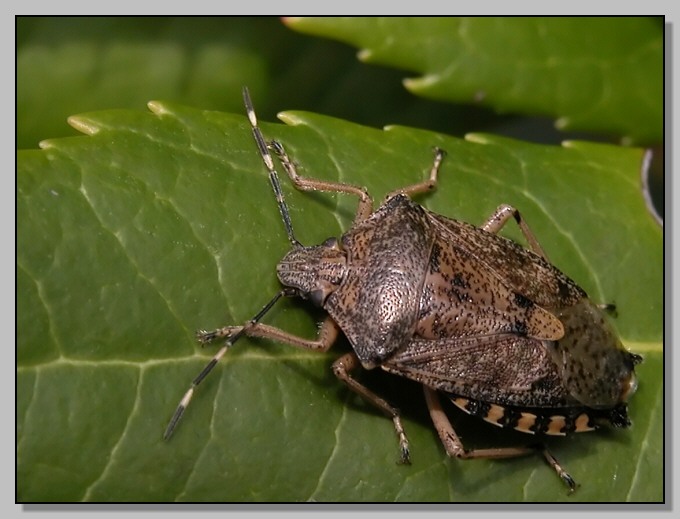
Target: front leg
{"points": [[311, 184], [327, 335]]}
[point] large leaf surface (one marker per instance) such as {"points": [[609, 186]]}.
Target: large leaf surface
{"points": [[596, 74], [68, 65], [161, 223]]}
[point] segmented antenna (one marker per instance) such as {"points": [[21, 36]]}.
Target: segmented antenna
{"points": [[269, 163], [207, 337]]}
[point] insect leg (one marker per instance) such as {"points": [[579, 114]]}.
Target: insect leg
{"points": [[328, 332], [500, 217], [455, 449], [310, 184], [425, 185], [252, 328], [302, 183], [342, 368]]}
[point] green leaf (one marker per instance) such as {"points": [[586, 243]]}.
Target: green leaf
{"points": [[70, 65], [600, 74], [157, 224]]}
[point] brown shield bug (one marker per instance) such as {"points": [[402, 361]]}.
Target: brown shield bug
{"points": [[494, 327]]}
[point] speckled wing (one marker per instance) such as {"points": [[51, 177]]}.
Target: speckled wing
{"points": [[463, 296], [520, 269], [481, 286], [504, 369]]}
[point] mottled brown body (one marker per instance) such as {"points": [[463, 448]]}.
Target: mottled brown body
{"points": [[493, 326], [473, 315]]}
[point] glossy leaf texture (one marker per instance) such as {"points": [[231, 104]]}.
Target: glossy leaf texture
{"points": [[157, 224], [532, 65]]}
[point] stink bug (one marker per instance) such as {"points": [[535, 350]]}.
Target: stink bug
{"points": [[494, 327]]}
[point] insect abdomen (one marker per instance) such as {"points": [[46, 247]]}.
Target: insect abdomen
{"points": [[531, 422]]}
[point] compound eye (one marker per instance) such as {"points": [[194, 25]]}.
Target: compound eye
{"points": [[332, 243], [317, 297]]}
